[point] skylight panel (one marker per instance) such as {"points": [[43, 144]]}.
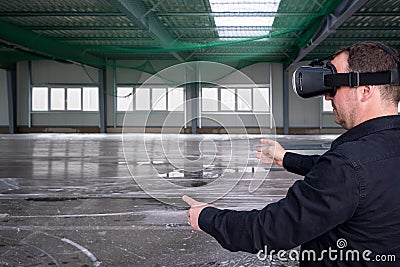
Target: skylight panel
{"points": [[240, 21], [236, 20], [244, 6]]}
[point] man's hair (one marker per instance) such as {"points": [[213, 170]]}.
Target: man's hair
{"points": [[368, 56]]}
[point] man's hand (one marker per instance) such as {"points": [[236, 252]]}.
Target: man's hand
{"points": [[273, 152], [194, 212]]}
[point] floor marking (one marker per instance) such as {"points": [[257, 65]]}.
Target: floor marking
{"points": [[84, 250]]}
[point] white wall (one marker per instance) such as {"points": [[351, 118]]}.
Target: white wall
{"points": [[128, 71], [51, 72], [257, 73], [3, 98], [302, 113], [46, 71]]}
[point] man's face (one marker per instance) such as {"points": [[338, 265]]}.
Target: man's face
{"points": [[344, 103]]}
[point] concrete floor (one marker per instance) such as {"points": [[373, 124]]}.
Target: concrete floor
{"points": [[70, 199]]}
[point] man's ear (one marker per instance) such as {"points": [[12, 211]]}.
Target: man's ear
{"points": [[366, 92]]}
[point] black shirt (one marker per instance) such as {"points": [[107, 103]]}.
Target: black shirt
{"points": [[346, 211]]}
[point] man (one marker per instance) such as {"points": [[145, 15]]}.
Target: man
{"points": [[347, 208]]}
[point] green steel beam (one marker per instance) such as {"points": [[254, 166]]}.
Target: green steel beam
{"points": [[79, 27], [123, 28], [137, 13], [370, 36], [188, 39], [235, 28], [267, 14], [185, 14], [369, 28], [59, 14], [235, 14], [261, 46], [328, 25]]}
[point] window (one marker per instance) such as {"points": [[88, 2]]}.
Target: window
{"points": [[159, 99], [209, 99], [65, 99], [237, 99], [142, 96], [74, 100], [261, 99], [228, 99], [57, 99], [124, 98], [90, 99], [175, 99], [244, 99], [40, 99], [326, 105]]}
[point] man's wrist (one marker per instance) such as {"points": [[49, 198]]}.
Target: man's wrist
{"points": [[206, 217]]}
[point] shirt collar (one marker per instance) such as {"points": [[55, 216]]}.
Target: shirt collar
{"points": [[367, 128]]}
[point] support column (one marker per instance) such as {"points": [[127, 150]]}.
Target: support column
{"points": [[12, 100], [194, 87], [102, 101], [192, 92], [286, 101]]}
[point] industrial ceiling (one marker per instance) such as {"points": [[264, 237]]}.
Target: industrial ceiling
{"points": [[97, 32]]}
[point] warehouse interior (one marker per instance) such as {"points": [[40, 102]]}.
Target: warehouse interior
{"points": [[115, 45], [91, 90]]}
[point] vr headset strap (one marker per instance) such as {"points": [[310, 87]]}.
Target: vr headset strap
{"points": [[355, 79]]}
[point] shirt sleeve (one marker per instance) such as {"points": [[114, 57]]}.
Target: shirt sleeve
{"points": [[327, 197], [299, 164]]}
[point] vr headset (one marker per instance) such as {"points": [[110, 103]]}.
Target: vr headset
{"points": [[311, 81]]}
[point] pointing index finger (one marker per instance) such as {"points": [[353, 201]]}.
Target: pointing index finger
{"points": [[189, 200]]}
